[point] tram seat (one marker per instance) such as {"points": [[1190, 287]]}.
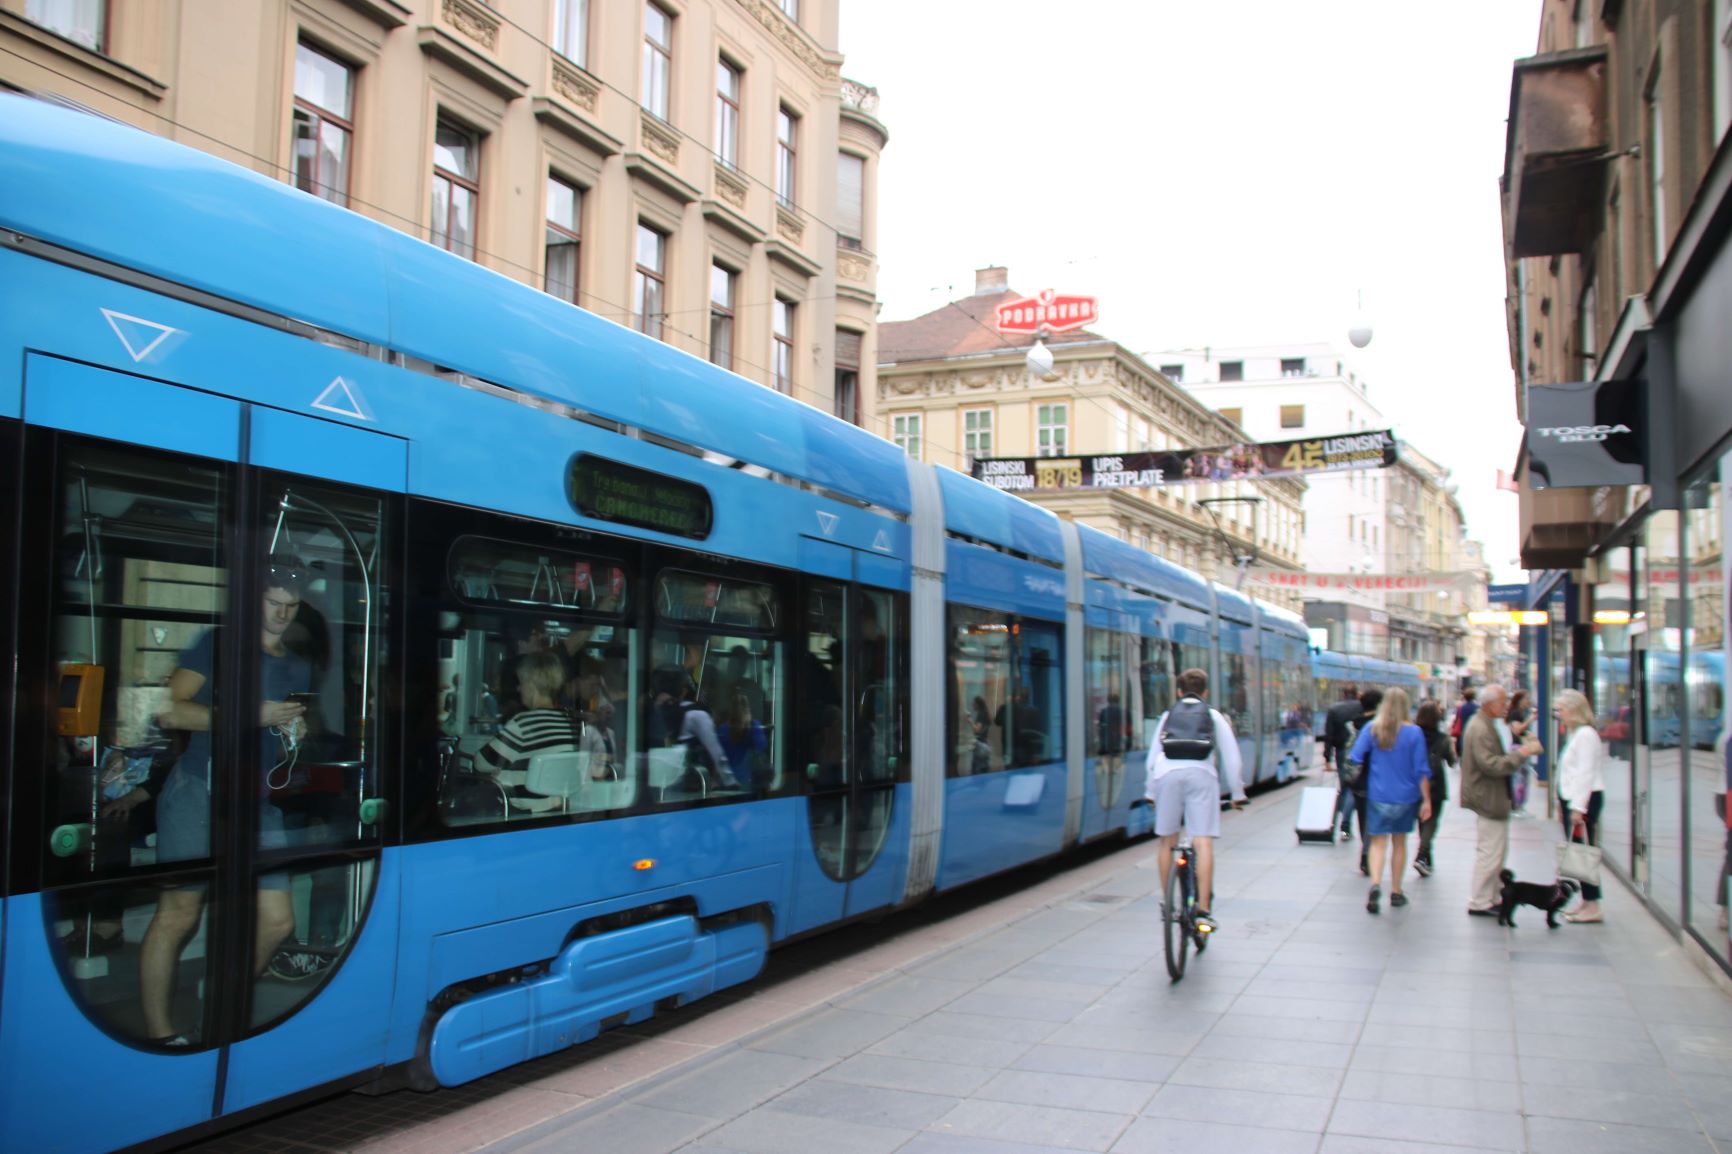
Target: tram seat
{"points": [[667, 766], [556, 777]]}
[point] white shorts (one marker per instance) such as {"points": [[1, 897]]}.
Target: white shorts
{"points": [[1194, 792]]}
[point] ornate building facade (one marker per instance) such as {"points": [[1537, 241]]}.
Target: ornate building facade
{"points": [[951, 388], [697, 169]]}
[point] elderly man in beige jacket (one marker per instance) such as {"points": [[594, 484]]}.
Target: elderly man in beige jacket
{"points": [[1486, 768]]}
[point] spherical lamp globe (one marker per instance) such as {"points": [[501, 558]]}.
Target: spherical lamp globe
{"points": [[1360, 334]]}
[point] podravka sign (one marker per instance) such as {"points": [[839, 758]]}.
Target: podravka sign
{"points": [[1050, 310]]}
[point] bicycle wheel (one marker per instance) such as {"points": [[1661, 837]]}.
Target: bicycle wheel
{"points": [[1177, 934]]}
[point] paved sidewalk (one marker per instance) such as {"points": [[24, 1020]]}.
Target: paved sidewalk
{"points": [[1044, 1021]]}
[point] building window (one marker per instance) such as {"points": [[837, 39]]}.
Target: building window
{"points": [[727, 114], [722, 282], [782, 330], [658, 59], [791, 8], [787, 154], [1174, 373], [905, 431], [650, 281], [84, 22], [1052, 431], [1292, 366], [850, 200], [324, 124], [976, 435], [1657, 169], [571, 30], [1588, 336], [456, 187], [1237, 416], [564, 226], [1292, 416], [1232, 370], [848, 347]]}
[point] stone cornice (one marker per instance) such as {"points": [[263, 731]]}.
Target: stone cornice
{"points": [[824, 65]]}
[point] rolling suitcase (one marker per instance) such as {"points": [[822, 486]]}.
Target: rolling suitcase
{"points": [[1316, 814]]}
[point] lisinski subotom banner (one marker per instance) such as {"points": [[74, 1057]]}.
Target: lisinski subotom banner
{"points": [[1368, 450]]}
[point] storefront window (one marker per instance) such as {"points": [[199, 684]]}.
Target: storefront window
{"points": [[1613, 699], [1704, 628], [1659, 756]]}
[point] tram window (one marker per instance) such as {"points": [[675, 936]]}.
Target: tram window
{"points": [[139, 582], [715, 601], [713, 709], [534, 684], [1157, 681], [1235, 698], [881, 686], [980, 665], [509, 573], [1008, 691], [1114, 707]]}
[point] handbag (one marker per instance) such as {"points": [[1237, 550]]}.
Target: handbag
{"points": [[1352, 774], [1579, 861]]}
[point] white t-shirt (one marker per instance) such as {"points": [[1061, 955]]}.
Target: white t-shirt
{"points": [[1231, 765]]}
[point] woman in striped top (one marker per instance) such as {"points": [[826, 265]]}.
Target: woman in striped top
{"points": [[541, 727]]}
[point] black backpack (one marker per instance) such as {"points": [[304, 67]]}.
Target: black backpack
{"points": [[1189, 734]]}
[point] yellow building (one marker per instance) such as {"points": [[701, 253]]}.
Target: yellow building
{"points": [[951, 388], [698, 169]]}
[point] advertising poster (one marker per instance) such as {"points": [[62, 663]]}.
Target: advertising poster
{"points": [[1245, 462]]}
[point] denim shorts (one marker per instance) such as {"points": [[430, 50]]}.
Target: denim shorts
{"points": [[183, 823], [1387, 817]]}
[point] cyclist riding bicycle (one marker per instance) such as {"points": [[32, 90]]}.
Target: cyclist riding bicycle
{"points": [[1191, 739]]}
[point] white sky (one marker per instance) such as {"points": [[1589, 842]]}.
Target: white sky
{"points": [[1222, 172]]}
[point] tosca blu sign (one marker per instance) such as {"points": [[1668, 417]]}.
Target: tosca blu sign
{"points": [[1376, 450], [1050, 311]]}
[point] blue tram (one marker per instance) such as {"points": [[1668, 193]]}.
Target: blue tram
{"points": [[414, 674]]}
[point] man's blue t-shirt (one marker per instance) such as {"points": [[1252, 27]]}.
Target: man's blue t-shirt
{"points": [[279, 676]]}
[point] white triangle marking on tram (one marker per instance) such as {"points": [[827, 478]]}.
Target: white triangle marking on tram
{"points": [[133, 325], [333, 399], [827, 522], [881, 542]]}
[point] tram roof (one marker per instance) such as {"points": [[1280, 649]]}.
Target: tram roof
{"points": [[140, 201], [1107, 556]]}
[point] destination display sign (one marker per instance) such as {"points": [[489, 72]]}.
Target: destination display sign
{"points": [[626, 495], [1368, 450]]}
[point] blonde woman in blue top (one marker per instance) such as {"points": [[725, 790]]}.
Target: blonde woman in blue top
{"points": [[1397, 791]]}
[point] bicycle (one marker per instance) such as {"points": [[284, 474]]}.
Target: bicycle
{"points": [[1180, 927]]}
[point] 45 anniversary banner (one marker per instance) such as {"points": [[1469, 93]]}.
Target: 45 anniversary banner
{"points": [[1370, 450]]}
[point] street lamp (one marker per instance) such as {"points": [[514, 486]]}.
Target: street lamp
{"points": [[1241, 561]]}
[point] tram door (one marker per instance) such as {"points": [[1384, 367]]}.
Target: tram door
{"points": [[851, 739], [192, 925]]}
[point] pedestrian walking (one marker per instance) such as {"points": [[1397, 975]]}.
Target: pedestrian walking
{"points": [[1464, 711], [1440, 753], [1338, 725], [1355, 774], [1398, 791], [1486, 767], [1519, 720], [1581, 787]]}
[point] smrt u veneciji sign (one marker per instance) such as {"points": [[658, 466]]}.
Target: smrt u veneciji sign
{"points": [[1050, 310]]}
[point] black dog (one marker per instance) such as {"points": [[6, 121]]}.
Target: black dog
{"points": [[1550, 898]]}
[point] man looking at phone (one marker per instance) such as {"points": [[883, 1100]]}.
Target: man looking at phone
{"points": [[184, 806]]}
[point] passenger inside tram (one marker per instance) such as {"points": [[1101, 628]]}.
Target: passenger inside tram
{"points": [[183, 809]]}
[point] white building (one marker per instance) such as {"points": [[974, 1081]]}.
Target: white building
{"points": [[1395, 521]]}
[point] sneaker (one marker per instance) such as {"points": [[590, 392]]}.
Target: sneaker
{"points": [[1422, 868], [1397, 899], [1374, 903], [1204, 921], [295, 962]]}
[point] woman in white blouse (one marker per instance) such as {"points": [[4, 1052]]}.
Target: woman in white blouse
{"points": [[1581, 785]]}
